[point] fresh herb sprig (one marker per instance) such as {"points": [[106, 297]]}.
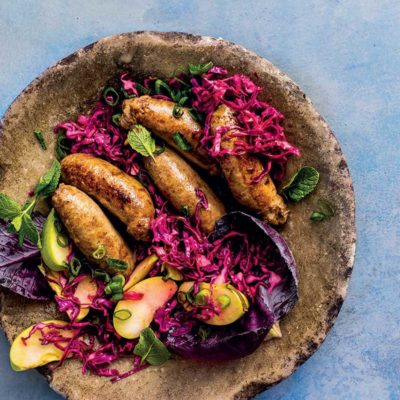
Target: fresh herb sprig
{"points": [[181, 141], [151, 349], [140, 139], [301, 184], [21, 217]]}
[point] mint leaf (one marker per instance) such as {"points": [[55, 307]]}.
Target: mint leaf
{"points": [[49, 181], [29, 230], [17, 222], [140, 139], [9, 208], [302, 183], [151, 349]]}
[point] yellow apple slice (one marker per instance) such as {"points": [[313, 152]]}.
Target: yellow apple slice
{"points": [[141, 271], [132, 316], [31, 353], [232, 302]]}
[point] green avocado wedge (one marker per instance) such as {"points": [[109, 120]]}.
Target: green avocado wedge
{"points": [[55, 248]]}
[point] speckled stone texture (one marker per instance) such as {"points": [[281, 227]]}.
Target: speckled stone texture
{"points": [[324, 252]]}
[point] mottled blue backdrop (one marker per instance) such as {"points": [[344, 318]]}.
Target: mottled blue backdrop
{"points": [[345, 54]]}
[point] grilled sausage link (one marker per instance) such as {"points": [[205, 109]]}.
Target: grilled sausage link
{"points": [[157, 116], [89, 228], [117, 191], [178, 183], [240, 171]]}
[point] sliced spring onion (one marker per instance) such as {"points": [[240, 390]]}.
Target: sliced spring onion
{"points": [[160, 85], [74, 266], [62, 240], [115, 118], [177, 111], [181, 142], [116, 263], [122, 315], [100, 252], [142, 89], [111, 96], [159, 149]]}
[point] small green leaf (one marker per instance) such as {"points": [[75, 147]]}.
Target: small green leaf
{"points": [[181, 141], [302, 183], [326, 210], [17, 222], [62, 147], [29, 230], [116, 263], [140, 139], [9, 208], [40, 138], [151, 349], [49, 181], [198, 69]]}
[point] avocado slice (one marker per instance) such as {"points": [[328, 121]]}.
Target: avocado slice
{"points": [[232, 302], [55, 248], [132, 316], [31, 353]]}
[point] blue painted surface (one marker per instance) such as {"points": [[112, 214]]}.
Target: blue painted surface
{"points": [[345, 54]]}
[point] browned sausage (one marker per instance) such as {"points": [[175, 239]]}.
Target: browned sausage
{"points": [[240, 171], [117, 191], [178, 182], [89, 228], [156, 115]]}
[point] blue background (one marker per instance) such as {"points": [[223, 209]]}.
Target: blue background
{"points": [[345, 54]]}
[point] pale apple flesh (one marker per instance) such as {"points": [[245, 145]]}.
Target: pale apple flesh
{"points": [[31, 353], [132, 316], [141, 271], [232, 303]]}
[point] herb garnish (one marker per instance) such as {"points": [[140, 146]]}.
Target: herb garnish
{"points": [[199, 69], [151, 349], [62, 148], [177, 111], [100, 252], [116, 263], [111, 96], [326, 210], [40, 138], [20, 217], [140, 139], [181, 141], [301, 184]]}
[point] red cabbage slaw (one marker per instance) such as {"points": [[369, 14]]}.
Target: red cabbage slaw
{"points": [[177, 241]]}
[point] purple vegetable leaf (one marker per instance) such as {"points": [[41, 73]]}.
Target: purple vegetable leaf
{"points": [[18, 265]]}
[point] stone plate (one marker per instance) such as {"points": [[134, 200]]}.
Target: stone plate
{"points": [[324, 251]]}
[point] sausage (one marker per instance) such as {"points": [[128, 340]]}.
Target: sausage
{"points": [[240, 171], [117, 191], [156, 115], [89, 228], [178, 182]]}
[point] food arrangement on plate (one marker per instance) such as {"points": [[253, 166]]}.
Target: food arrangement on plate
{"points": [[161, 236]]}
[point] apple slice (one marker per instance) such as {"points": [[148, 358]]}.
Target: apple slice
{"points": [[141, 271], [31, 353], [232, 302], [132, 316], [85, 290]]}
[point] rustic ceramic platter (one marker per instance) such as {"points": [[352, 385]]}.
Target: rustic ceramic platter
{"points": [[324, 251]]}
